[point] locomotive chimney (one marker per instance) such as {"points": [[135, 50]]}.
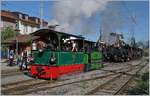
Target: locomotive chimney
{"points": [[52, 27]]}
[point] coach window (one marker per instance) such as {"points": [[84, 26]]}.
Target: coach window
{"points": [[65, 43]]}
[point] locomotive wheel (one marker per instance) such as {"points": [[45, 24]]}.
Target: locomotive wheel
{"points": [[115, 58], [35, 77], [123, 60]]}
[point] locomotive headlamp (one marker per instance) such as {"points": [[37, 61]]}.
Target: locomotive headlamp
{"points": [[40, 50], [52, 60]]}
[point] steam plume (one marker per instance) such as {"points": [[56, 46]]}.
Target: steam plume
{"points": [[70, 13], [111, 20]]}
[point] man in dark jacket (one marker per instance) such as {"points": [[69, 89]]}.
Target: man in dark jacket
{"points": [[24, 60]]}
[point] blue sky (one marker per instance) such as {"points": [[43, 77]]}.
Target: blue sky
{"points": [[139, 8]]}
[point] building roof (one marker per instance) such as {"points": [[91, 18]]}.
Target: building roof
{"points": [[29, 22], [39, 21], [20, 39], [8, 14], [15, 16], [16, 12]]}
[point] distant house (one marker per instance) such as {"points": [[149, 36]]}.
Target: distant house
{"points": [[25, 24], [18, 20], [8, 19]]}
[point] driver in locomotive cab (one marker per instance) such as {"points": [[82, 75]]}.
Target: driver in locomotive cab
{"points": [[41, 45]]}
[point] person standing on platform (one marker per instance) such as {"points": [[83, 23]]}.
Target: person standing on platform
{"points": [[24, 61], [11, 57]]}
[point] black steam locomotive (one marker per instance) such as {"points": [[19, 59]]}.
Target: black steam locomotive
{"points": [[120, 51]]}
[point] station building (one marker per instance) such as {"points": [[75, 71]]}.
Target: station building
{"points": [[24, 24]]}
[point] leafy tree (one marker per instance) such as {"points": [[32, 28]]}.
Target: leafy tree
{"points": [[7, 33]]}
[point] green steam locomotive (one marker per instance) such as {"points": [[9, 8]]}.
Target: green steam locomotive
{"points": [[56, 54]]}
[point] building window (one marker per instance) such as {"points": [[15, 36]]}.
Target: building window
{"points": [[20, 16], [32, 28], [25, 29], [26, 17], [1, 24], [36, 20], [17, 25]]}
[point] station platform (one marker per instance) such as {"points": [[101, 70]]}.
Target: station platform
{"points": [[4, 65]]}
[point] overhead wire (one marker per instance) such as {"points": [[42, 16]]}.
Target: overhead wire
{"points": [[131, 16]]}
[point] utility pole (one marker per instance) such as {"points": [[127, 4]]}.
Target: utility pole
{"points": [[41, 14], [16, 40], [100, 35], [133, 20]]}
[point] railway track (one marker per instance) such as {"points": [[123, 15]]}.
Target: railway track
{"points": [[62, 87], [27, 87], [9, 71], [23, 86], [116, 84], [9, 85], [13, 73], [127, 82]]}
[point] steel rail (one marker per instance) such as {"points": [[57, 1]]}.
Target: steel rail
{"points": [[94, 90], [16, 90], [43, 87], [125, 84]]}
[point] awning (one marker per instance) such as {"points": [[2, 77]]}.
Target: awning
{"points": [[19, 38]]}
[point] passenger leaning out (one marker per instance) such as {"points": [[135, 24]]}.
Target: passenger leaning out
{"points": [[74, 46]]}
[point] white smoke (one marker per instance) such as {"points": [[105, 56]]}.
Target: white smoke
{"points": [[69, 13], [111, 21]]}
